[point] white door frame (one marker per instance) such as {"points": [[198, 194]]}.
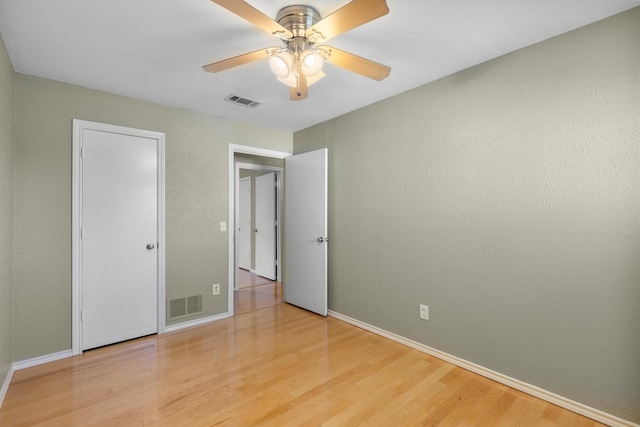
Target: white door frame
{"points": [[233, 177], [76, 222]]}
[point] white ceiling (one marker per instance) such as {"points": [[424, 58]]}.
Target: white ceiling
{"points": [[155, 49]]}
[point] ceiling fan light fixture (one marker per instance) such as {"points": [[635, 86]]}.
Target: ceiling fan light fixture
{"points": [[299, 64], [280, 63], [311, 63]]}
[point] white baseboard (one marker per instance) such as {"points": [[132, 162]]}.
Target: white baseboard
{"points": [[5, 384], [196, 322], [579, 408], [35, 361]]}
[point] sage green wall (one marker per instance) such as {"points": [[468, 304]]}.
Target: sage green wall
{"points": [[506, 197], [7, 91], [196, 200]]}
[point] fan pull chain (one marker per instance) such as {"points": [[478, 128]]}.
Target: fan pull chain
{"points": [[298, 91]]}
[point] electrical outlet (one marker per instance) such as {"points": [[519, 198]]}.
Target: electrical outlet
{"points": [[424, 312], [223, 226], [216, 289]]}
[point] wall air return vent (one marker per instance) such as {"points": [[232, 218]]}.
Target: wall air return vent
{"points": [[246, 102], [187, 306], [177, 307], [194, 304]]}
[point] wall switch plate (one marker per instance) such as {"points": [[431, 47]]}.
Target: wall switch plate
{"points": [[216, 289], [424, 312], [223, 226]]}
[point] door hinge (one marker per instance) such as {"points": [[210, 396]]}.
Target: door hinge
{"points": [[81, 234], [275, 262], [81, 318], [81, 152]]}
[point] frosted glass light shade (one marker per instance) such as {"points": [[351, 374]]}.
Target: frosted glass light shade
{"points": [[311, 63], [280, 63]]}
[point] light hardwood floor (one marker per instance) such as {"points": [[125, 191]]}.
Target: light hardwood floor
{"points": [[255, 293], [271, 364]]}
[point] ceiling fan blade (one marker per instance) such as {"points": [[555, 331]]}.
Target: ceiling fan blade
{"points": [[301, 91], [354, 63], [350, 16], [257, 18], [225, 64]]}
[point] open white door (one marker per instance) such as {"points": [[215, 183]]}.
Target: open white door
{"points": [[265, 226], [244, 224], [305, 281]]}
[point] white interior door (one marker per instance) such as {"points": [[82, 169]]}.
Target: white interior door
{"points": [[265, 226], [244, 224], [119, 211], [305, 278]]}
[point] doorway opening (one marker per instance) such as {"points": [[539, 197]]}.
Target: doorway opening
{"points": [[258, 219], [260, 161]]}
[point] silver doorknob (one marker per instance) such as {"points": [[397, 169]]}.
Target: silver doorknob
{"points": [[151, 246], [320, 239]]}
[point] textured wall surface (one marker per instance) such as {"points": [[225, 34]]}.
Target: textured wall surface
{"points": [[7, 90], [196, 200], [506, 197]]}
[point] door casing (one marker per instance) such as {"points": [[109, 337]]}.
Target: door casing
{"points": [[76, 274]]}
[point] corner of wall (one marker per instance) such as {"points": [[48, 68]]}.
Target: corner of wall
{"points": [[7, 215], [13, 221]]}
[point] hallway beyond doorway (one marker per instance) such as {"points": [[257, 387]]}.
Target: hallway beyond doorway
{"points": [[255, 293]]}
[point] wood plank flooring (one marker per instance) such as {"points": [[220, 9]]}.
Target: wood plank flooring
{"points": [[247, 279], [255, 293], [272, 364]]}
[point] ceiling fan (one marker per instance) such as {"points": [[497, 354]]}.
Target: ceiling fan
{"points": [[301, 28]]}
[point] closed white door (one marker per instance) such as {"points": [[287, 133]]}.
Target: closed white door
{"points": [[305, 278], [119, 211], [244, 224], [265, 226]]}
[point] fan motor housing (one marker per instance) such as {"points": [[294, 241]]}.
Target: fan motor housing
{"points": [[297, 18]]}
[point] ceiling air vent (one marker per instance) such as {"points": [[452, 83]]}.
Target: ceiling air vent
{"points": [[243, 101]]}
